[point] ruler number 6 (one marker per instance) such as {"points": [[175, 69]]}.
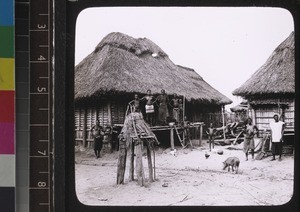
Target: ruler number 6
{"points": [[41, 26], [41, 184]]}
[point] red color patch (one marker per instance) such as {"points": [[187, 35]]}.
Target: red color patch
{"points": [[7, 106]]}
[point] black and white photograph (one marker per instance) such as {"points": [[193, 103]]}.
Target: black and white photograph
{"points": [[184, 106]]}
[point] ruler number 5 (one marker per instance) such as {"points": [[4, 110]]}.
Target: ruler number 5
{"points": [[42, 89]]}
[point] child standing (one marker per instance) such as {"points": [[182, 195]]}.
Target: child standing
{"points": [[211, 131]]}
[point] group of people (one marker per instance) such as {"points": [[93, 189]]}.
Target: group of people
{"points": [[250, 131], [276, 128], [101, 136], [163, 103]]}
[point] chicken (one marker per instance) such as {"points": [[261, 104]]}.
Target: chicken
{"points": [[206, 155]]}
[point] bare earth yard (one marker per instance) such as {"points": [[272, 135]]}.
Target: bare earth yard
{"points": [[187, 179]]}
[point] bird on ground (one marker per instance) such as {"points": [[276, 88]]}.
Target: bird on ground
{"points": [[206, 155]]}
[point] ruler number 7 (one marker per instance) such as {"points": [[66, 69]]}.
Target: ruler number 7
{"points": [[41, 26], [42, 153]]}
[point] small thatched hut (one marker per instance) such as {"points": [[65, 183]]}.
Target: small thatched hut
{"points": [[120, 66], [271, 89]]}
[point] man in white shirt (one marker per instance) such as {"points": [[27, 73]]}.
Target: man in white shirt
{"points": [[277, 128]]}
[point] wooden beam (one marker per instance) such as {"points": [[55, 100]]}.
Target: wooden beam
{"points": [[139, 163], [172, 138], [121, 161], [200, 134], [131, 165], [109, 113], [84, 128], [150, 167]]}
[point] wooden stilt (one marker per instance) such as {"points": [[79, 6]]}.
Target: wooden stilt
{"points": [[223, 120], [150, 167], [200, 134], [139, 163], [84, 143], [172, 138], [131, 165], [121, 162]]}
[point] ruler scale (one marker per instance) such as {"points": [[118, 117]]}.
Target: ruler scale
{"points": [[40, 95]]}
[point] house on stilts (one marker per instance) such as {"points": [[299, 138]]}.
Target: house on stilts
{"points": [[271, 89], [121, 66]]}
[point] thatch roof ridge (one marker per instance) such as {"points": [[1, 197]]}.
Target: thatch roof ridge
{"points": [[276, 75], [112, 69], [137, 46]]}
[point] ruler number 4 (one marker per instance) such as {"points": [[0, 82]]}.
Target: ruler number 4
{"points": [[41, 58]]}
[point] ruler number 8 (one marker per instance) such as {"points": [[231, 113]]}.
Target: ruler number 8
{"points": [[41, 184], [41, 26]]}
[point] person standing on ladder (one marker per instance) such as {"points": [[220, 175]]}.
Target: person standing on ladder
{"points": [[135, 104], [186, 131]]}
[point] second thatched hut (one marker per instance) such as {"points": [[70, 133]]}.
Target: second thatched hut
{"points": [[271, 89]]}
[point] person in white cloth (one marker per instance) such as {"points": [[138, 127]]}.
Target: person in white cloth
{"points": [[277, 128]]}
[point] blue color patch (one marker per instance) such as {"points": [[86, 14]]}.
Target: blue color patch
{"points": [[6, 12]]}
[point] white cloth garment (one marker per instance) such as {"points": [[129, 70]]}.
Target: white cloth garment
{"points": [[276, 128]]}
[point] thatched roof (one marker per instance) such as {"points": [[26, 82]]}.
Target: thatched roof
{"points": [[276, 76], [121, 64]]}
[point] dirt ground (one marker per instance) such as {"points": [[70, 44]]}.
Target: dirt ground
{"points": [[186, 179]]}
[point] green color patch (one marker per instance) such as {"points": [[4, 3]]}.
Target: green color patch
{"points": [[6, 41]]}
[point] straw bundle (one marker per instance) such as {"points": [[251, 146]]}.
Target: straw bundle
{"points": [[134, 127]]}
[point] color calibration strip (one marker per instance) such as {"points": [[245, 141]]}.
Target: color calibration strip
{"points": [[7, 107]]}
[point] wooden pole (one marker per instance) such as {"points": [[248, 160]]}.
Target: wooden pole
{"points": [[172, 138], [84, 128], [121, 161], [200, 134], [109, 114], [150, 167], [131, 166], [139, 163], [183, 110], [223, 119]]}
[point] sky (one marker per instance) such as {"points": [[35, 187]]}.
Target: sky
{"points": [[225, 46]]}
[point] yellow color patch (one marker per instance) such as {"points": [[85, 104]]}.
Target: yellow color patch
{"points": [[7, 74]]}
